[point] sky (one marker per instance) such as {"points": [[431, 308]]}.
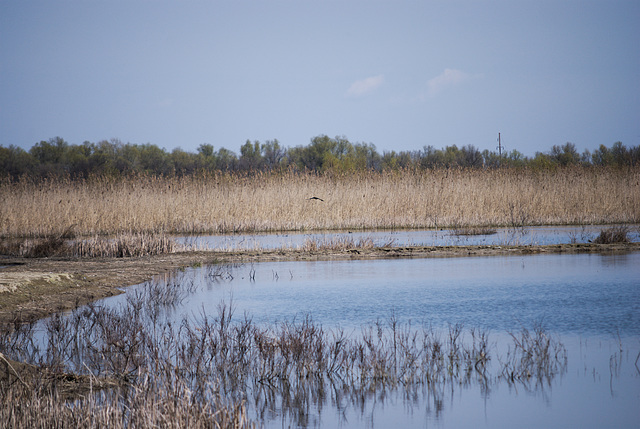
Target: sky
{"points": [[398, 74]]}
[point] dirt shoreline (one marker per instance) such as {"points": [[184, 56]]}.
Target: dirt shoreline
{"points": [[35, 288]]}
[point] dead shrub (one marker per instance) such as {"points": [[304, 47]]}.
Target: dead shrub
{"points": [[616, 234]]}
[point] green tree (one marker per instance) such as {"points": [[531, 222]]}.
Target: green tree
{"points": [[634, 155], [430, 157], [491, 159], [452, 156], [155, 160], [184, 163], [250, 156], [367, 157], [602, 156], [205, 150], [207, 157], [565, 154], [102, 158], [76, 160], [470, 156], [542, 161], [621, 156], [273, 155], [515, 159], [15, 161], [49, 152], [226, 160], [318, 152]]}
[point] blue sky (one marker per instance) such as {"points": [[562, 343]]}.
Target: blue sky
{"points": [[399, 74]]}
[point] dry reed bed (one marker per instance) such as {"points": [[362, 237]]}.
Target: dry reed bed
{"points": [[121, 246], [227, 203]]}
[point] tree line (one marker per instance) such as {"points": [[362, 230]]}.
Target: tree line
{"points": [[56, 157]]}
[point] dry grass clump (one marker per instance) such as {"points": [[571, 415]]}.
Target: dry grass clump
{"points": [[616, 234], [125, 245], [229, 203], [338, 244]]}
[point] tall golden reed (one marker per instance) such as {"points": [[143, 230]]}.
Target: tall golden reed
{"points": [[226, 203]]}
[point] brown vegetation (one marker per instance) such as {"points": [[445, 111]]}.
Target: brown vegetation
{"points": [[231, 203], [616, 234], [124, 245], [199, 373], [217, 361]]}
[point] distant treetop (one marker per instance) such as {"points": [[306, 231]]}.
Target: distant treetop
{"points": [[55, 157]]}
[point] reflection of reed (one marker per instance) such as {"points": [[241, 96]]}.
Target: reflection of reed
{"points": [[289, 370], [535, 356]]}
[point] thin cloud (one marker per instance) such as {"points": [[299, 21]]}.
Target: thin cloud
{"points": [[448, 78], [365, 86]]}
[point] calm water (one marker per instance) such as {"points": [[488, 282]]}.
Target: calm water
{"points": [[591, 301], [537, 235], [586, 294]]}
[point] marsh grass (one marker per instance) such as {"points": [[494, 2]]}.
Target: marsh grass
{"points": [[340, 244], [615, 234], [125, 245], [232, 203], [120, 246], [209, 370]]}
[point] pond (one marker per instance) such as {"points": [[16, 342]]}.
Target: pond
{"points": [[591, 302], [534, 235]]}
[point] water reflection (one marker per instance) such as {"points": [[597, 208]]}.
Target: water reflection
{"points": [[589, 303], [297, 373]]}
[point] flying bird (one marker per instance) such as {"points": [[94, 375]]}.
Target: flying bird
{"points": [[316, 198]]}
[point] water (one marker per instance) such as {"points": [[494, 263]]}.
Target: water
{"points": [[583, 294], [537, 235], [591, 301]]}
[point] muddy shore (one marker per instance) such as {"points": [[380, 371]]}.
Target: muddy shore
{"points": [[35, 288]]}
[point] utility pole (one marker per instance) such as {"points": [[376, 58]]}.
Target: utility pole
{"points": [[499, 151]]}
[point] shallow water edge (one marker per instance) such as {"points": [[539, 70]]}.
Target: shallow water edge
{"points": [[87, 280]]}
